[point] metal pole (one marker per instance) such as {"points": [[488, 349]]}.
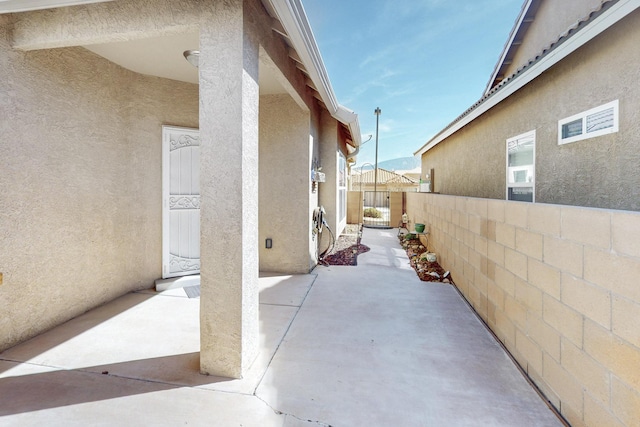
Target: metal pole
{"points": [[377, 112]]}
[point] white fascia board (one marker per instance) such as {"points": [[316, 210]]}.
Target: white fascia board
{"points": [[13, 6], [294, 19], [608, 18], [348, 117]]}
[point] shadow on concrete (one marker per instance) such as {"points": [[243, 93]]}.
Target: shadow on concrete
{"points": [[38, 391], [81, 324], [141, 343]]}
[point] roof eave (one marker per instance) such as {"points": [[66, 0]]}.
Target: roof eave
{"points": [[605, 20], [511, 42], [294, 19]]}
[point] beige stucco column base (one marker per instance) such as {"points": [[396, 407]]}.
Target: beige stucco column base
{"points": [[229, 193]]}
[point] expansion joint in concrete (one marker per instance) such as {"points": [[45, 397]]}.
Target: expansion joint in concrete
{"points": [[255, 391], [278, 412], [285, 334]]}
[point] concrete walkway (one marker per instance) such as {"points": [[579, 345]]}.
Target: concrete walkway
{"points": [[346, 346]]}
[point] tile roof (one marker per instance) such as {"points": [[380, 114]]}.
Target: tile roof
{"points": [[572, 30], [384, 177], [518, 33]]}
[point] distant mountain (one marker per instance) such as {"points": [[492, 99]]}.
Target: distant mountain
{"points": [[400, 164]]}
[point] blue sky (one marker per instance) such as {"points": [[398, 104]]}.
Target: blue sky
{"points": [[423, 62]]}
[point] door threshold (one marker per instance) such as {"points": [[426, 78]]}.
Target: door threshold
{"points": [[177, 282]]}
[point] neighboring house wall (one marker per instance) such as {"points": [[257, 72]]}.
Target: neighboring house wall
{"points": [[558, 286], [81, 182], [553, 18], [596, 172], [285, 162]]}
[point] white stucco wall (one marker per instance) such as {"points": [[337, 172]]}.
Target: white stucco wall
{"points": [[329, 162], [88, 200], [315, 142], [81, 182], [285, 149], [229, 117]]}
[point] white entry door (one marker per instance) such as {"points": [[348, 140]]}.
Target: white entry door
{"points": [[180, 201]]}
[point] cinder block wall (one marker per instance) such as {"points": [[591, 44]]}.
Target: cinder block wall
{"points": [[354, 207], [395, 208], [559, 286]]}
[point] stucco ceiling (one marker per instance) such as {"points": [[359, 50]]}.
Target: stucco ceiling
{"points": [[159, 56], [163, 57]]}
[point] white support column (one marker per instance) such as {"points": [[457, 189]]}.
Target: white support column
{"points": [[229, 193]]}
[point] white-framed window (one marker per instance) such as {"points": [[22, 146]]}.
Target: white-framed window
{"points": [[598, 121], [342, 189], [521, 167]]}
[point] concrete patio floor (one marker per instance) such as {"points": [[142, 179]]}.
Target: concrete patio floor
{"points": [[370, 345]]}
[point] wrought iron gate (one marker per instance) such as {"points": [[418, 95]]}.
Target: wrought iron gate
{"points": [[377, 213]]}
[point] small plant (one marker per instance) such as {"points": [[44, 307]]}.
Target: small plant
{"points": [[372, 213]]}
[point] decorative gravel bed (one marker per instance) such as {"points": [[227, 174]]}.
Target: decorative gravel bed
{"points": [[427, 271], [346, 249]]}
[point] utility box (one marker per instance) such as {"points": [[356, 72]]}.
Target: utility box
{"points": [[317, 176]]}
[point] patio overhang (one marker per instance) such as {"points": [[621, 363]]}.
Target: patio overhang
{"points": [[290, 22], [229, 303]]}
